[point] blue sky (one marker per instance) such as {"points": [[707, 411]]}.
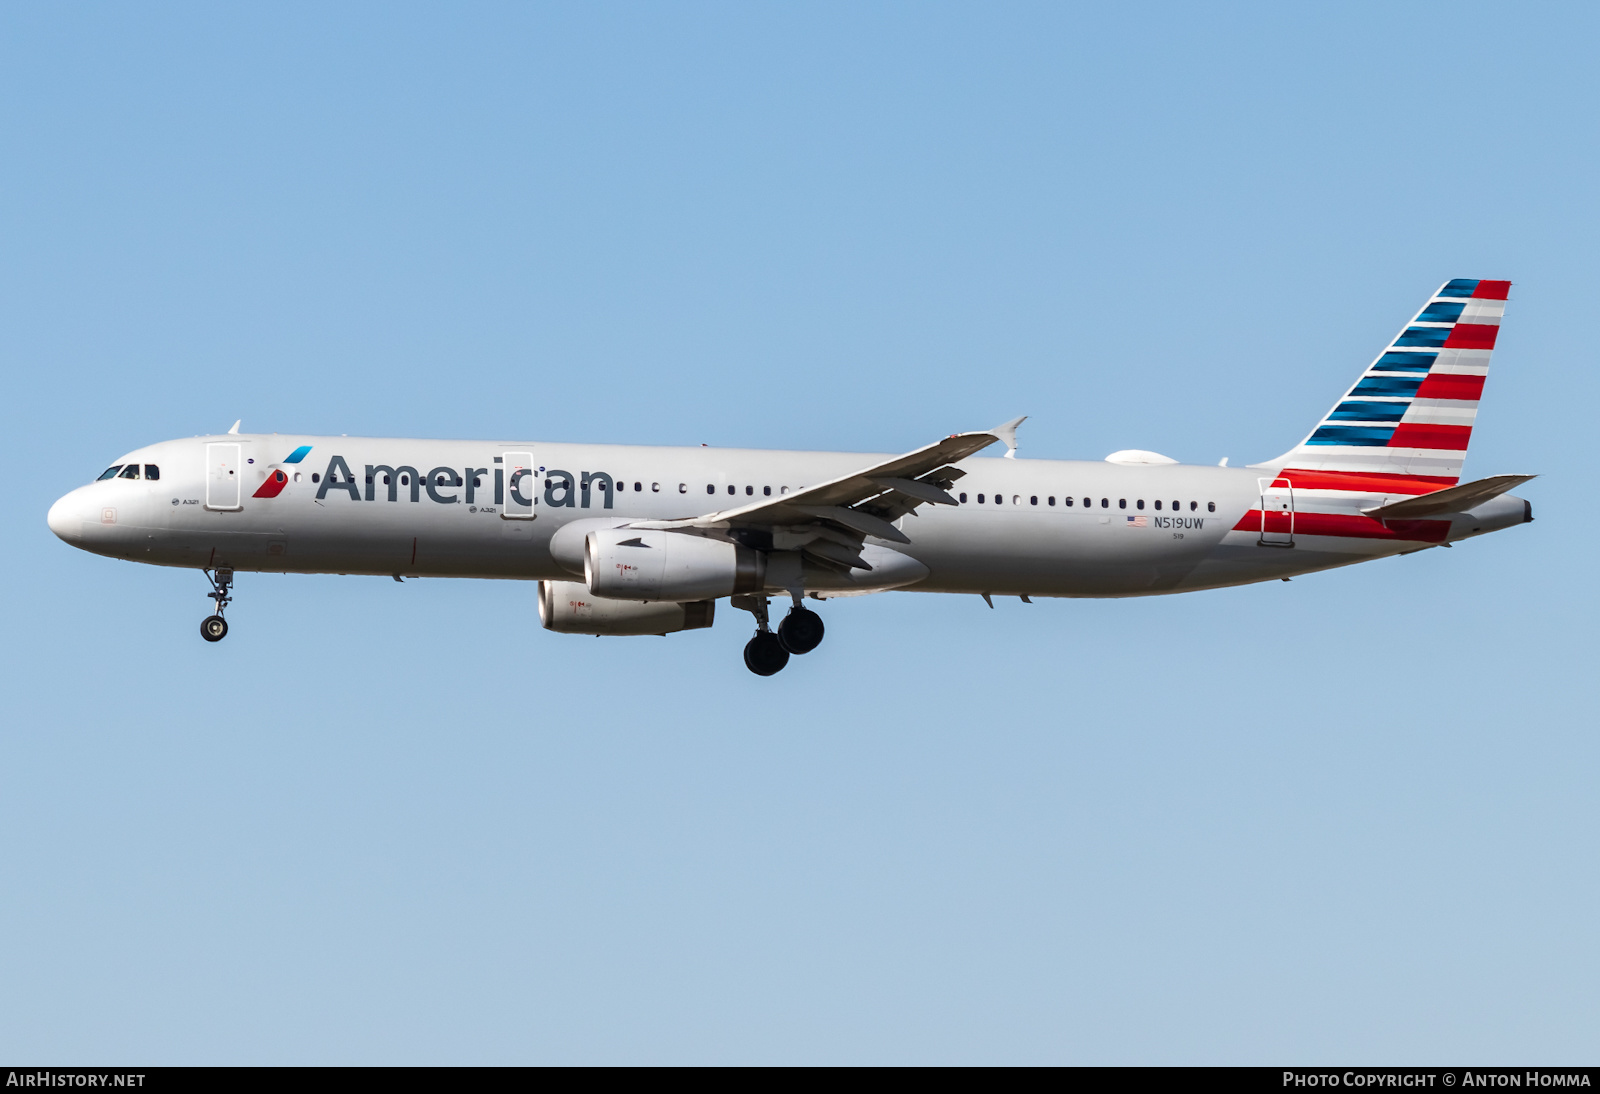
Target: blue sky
{"points": [[1347, 818]]}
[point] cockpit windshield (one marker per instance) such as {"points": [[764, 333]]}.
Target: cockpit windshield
{"points": [[110, 472], [130, 472]]}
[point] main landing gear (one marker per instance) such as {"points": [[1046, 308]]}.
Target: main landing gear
{"points": [[767, 653], [214, 628]]}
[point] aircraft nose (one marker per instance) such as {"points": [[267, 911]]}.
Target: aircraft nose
{"points": [[66, 517]]}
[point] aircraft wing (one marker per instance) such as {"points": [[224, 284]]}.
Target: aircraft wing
{"points": [[829, 521]]}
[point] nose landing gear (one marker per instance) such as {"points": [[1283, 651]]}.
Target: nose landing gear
{"points": [[214, 628]]}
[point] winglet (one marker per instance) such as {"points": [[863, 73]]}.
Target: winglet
{"points": [[1007, 435], [236, 425]]}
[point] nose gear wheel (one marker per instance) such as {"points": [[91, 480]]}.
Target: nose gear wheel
{"points": [[214, 628]]}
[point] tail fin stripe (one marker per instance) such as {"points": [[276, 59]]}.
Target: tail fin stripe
{"points": [[1404, 362], [1398, 386], [1417, 435], [1369, 412], [1472, 336], [1433, 337], [1364, 435], [1446, 385], [1441, 312]]}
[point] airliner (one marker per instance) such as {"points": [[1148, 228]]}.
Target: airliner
{"points": [[631, 540]]}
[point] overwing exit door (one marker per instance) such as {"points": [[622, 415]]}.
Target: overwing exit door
{"points": [[224, 476], [522, 486], [1277, 513]]}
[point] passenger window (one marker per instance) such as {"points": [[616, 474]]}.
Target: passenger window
{"points": [[316, 477], [655, 488], [1175, 506], [1105, 503], [980, 499], [1066, 501], [1051, 500], [1158, 503], [749, 491], [477, 481], [1087, 502], [1034, 500], [386, 480], [1122, 503], [963, 499], [1139, 504], [710, 489], [151, 472], [731, 490], [999, 499], [1211, 507], [1193, 505], [110, 472], [783, 489], [130, 472], [297, 476], [767, 490]]}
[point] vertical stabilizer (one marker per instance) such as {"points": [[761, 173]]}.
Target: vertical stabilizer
{"points": [[1405, 425]]}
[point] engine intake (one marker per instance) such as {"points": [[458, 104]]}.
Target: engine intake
{"points": [[630, 564], [566, 607]]}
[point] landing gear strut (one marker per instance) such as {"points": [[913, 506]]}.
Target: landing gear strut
{"points": [[214, 628]]}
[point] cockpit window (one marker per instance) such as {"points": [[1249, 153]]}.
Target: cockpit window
{"points": [[110, 472], [151, 471], [130, 472]]}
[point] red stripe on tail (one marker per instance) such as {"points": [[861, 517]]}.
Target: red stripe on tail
{"points": [[1453, 438], [1472, 336], [1451, 385]]}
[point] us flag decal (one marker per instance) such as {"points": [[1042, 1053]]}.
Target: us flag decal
{"points": [[1138, 522]]}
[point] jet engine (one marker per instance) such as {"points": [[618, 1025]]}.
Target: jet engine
{"points": [[566, 607], [634, 564]]}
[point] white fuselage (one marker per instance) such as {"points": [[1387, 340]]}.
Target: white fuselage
{"points": [[1128, 531]]}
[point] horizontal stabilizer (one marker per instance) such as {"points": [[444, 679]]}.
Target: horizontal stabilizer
{"points": [[1455, 499]]}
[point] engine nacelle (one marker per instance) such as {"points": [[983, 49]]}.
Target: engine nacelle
{"points": [[631, 564], [566, 607]]}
